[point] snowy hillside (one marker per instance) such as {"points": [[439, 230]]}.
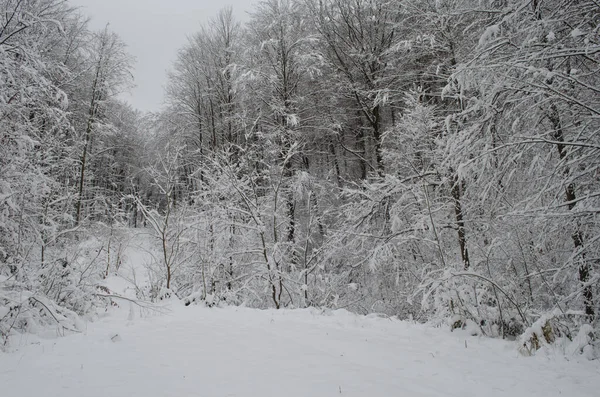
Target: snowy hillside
{"points": [[195, 351]]}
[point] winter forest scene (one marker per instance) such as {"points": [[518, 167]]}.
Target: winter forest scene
{"points": [[334, 198]]}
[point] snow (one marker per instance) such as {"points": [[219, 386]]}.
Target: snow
{"points": [[489, 33], [197, 351]]}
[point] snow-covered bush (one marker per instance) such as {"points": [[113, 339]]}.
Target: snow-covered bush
{"points": [[60, 293], [562, 332]]}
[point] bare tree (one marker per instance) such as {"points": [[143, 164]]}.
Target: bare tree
{"points": [[110, 73]]}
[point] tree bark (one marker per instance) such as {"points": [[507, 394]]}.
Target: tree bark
{"points": [[570, 197], [460, 222]]}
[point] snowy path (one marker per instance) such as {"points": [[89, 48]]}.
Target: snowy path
{"points": [[241, 352]]}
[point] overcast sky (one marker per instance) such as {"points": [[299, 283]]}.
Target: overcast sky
{"points": [[154, 30]]}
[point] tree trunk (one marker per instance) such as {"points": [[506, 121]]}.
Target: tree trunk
{"points": [[84, 155], [360, 141], [460, 223], [376, 125], [570, 196]]}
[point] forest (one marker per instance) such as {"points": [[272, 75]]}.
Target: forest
{"points": [[434, 160]]}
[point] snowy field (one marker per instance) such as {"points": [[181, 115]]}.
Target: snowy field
{"points": [[194, 351]]}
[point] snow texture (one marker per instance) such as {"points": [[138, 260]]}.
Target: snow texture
{"points": [[197, 351]]}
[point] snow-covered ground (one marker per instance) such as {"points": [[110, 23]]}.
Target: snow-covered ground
{"points": [[197, 351], [194, 351]]}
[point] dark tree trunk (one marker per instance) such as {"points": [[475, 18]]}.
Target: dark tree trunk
{"points": [[570, 196], [460, 222]]}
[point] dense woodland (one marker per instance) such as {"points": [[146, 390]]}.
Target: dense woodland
{"points": [[434, 160]]}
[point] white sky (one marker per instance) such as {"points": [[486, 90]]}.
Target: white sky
{"points": [[154, 31]]}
